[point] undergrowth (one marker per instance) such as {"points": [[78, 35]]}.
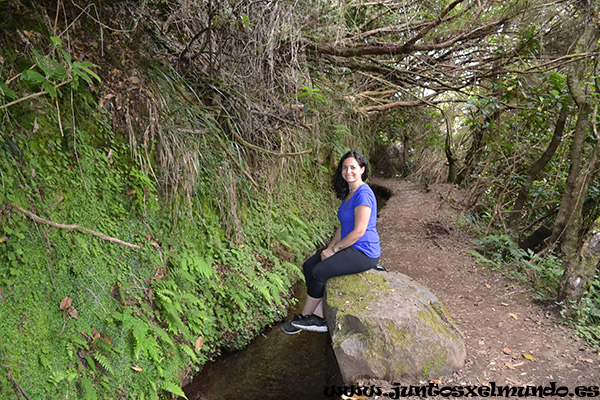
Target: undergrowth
{"points": [[501, 253], [203, 266], [543, 274]]}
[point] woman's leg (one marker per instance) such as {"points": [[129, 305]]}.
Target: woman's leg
{"points": [[313, 306], [344, 262], [347, 261]]}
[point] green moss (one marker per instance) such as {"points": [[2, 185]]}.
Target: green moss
{"points": [[441, 310], [436, 323], [437, 360], [353, 293], [401, 336]]}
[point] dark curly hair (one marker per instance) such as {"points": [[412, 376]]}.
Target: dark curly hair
{"points": [[340, 186]]}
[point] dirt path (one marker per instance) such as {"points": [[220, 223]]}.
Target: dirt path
{"points": [[500, 322]]}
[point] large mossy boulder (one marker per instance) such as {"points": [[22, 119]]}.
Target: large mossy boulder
{"points": [[386, 326]]}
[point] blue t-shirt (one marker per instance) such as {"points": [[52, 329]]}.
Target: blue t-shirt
{"points": [[369, 242]]}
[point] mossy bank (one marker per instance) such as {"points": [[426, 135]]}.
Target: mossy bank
{"points": [[144, 227]]}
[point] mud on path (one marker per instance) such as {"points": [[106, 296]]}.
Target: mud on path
{"points": [[501, 324]]}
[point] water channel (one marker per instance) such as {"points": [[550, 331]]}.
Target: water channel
{"points": [[275, 366]]}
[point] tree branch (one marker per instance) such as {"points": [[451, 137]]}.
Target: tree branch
{"points": [[406, 48], [72, 226]]}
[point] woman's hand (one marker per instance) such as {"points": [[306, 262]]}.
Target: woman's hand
{"points": [[325, 254]]}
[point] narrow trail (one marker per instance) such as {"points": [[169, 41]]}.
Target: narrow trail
{"points": [[510, 339]]}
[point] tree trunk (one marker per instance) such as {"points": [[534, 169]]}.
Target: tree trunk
{"points": [[580, 270], [568, 220], [452, 170], [475, 150], [536, 168]]}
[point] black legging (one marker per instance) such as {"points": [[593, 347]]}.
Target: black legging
{"points": [[344, 262]]}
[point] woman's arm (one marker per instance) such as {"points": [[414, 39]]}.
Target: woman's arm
{"points": [[337, 236], [362, 214]]}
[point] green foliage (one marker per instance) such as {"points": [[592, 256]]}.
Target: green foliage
{"points": [[587, 314], [311, 98], [49, 72], [500, 252]]}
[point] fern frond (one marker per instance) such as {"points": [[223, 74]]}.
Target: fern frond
{"points": [[191, 353], [89, 390], [161, 334], [104, 362], [171, 387]]}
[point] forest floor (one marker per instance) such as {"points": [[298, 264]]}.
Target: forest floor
{"points": [[510, 338]]}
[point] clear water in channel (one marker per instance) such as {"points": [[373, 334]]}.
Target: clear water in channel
{"points": [[275, 366]]}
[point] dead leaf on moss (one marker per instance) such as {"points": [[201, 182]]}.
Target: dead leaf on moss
{"points": [[199, 343], [66, 303], [160, 273], [110, 157]]}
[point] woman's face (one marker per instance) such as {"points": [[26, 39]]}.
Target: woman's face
{"points": [[351, 170]]}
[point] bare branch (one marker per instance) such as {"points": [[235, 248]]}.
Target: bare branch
{"points": [[71, 227]]}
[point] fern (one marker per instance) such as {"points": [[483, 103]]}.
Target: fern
{"points": [[139, 331], [187, 350], [161, 334], [153, 350], [104, 362], [89, 390], [56, 377], [173, 320], [91, 363], [263, 290], [173, 388]]}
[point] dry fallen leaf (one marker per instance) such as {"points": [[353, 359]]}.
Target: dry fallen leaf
{"points": [[509, 365], [199, 343], [529, 357], [66, 303], [160, 273], [110, 157], [506, 350], [512, 315], [3, 239], [136, 368], [73, 312], [505, 304]]}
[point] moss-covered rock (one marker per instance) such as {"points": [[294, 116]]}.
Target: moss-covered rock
{"points": [[386, 326]]}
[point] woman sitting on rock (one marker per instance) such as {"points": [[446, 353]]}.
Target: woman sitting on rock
{"points": [[354, 247]]}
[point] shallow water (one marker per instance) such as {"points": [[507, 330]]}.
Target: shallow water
{"points": [[275, 366]]}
